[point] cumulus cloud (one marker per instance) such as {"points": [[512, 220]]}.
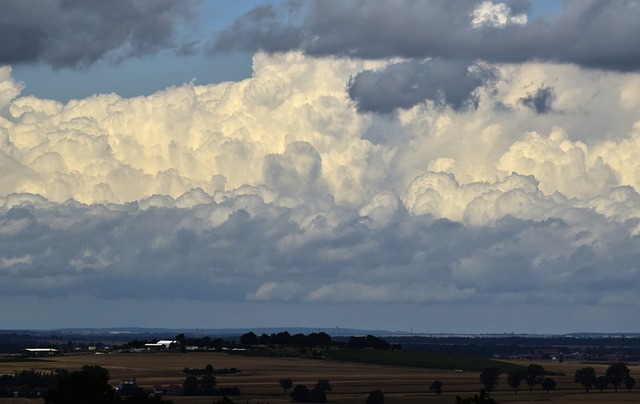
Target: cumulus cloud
{"points": [[78, 33], [276, 190], [496, 15]]}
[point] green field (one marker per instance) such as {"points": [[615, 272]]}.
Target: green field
{"points": [[427, 360]]}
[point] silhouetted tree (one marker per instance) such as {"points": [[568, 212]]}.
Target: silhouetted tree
{"points": [[483, 398], [318, 394], [489, 379], [586, 377], [375, 397], [300, 394], [96, 370], [548, 384], [436, 386], [225, 400], [533, 375], [190, 386], [182, 340], [601, 383], [143, 398], [616, 374], [249, 339], [629, 382], [81, 387], [286, 384], [515, 378], [208, 384], [208, 369]]}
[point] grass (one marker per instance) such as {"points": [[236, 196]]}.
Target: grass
{"points": [[427, 360]]}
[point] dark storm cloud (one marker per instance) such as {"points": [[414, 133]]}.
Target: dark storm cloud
{"points": [[541, 101], [405, 84], [594, 34], [79, 32], [120, 251], [263, 27]]}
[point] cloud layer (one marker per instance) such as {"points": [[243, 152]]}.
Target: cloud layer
{"points": [[76, 33], [461, 162]]}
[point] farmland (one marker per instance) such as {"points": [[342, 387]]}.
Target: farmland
{"points": [[351, 381]]}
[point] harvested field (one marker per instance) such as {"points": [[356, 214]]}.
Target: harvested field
{"points": [[351, 382]]}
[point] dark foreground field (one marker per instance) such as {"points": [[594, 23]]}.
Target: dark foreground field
{"points": [[351, 382]]}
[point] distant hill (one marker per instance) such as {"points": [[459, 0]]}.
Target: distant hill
{"points": [[217, 332]]}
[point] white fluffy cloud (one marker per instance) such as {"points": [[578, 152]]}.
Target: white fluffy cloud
{"points": [[276, 188], [496, 15]]}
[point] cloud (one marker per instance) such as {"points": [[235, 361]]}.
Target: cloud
{"points": [[275, 190], [405, 84], [582, 34], [496, 15], [78, 33]]}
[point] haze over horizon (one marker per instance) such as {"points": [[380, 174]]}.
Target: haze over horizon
{"points": [[454, 167]]}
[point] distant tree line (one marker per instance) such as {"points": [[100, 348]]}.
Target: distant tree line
{"points": [[209, 369], [91, 385], [315, 339], [206, 385], [30, 383], [320, 339], [617, 375], [371, 341], [302, 394]]}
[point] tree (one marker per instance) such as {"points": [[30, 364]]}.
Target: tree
{"points": [[81, 387], [436, 386], [286, 384], [483, 398], [208, 368], [533, 375], [190, 386], [249, 339], [208, 384], [616, 374], [515, 378], [586, 377], [629, 382], [601, 383], [97, 370], [548, 384], [375, 397], [143, 398], [300, 394], [225, 400], [318, 394], [489, 379], [323, 385], [182, 340]]}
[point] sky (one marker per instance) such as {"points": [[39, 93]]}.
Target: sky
{"points": [[446, 167]]}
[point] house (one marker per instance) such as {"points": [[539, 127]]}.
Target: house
{"points": [[162, 344], [40, 351]]}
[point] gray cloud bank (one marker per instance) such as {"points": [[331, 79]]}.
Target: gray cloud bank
{"points": [[593, 33], [272, 254], [76, 33]]}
